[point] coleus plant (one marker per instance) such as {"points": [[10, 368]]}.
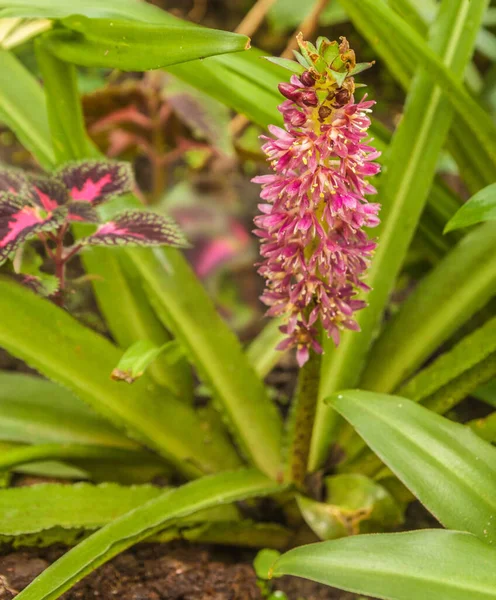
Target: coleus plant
{"points": [[358, 492], [45, 206]]}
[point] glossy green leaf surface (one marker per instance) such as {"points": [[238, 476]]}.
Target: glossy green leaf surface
{"points": [[134, 10], [481, 207], [434, 457], [414, 149], [433, 312], [143, 522], [37, 411], [136, 46], [427, 565], [50, 340]]}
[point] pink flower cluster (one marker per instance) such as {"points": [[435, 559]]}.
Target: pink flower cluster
{"points": [[313, 242]]}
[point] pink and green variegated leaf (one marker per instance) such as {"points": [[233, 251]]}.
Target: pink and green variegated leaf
{"points": [[138, 228], [46, 286], [96, 181], [12, 180], [47, 192], [19, 221], [82, 212]]}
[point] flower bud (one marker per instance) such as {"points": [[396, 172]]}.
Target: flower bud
{"points": [[289, 91], [307, 79]]}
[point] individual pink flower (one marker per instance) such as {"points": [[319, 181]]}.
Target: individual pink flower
{"points": [[314, 213]]}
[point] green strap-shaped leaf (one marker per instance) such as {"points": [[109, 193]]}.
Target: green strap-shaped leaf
{"points": [[448, 468], [80, 506], [113, 43], [50, 340], [414, 149], [143, 522], [481, 207], [36, 411], [448, 296], [470, 351], [23, 108], [427, 565]]}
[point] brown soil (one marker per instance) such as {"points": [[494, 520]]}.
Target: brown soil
{"points": [[173, 571]]}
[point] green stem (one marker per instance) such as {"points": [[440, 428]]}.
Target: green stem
{"points": [[304, 411]]}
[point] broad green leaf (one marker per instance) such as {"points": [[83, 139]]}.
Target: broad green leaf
{"points": [[36, 411], [414, 149], [23, 108], [427, 565], [481, 207], [47, 513], [67, 128], [143, 522], [31, 509], [136, 46], [448, 296], [50, 340], [448, 468], [444, 383], [78, 452], [470, 351], [138, 357], [132, 10]]}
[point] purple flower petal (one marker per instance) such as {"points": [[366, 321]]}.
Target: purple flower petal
{"points": [[96, 181], [138, 228]]}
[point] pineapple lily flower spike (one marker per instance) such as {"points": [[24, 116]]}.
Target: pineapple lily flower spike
{"points": [[313, 243]]}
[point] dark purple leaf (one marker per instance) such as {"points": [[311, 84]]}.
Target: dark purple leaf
{"points": [[96, 181], [138, 228], [82, 212], [12, 180], [47, 192], [19, 221]]}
